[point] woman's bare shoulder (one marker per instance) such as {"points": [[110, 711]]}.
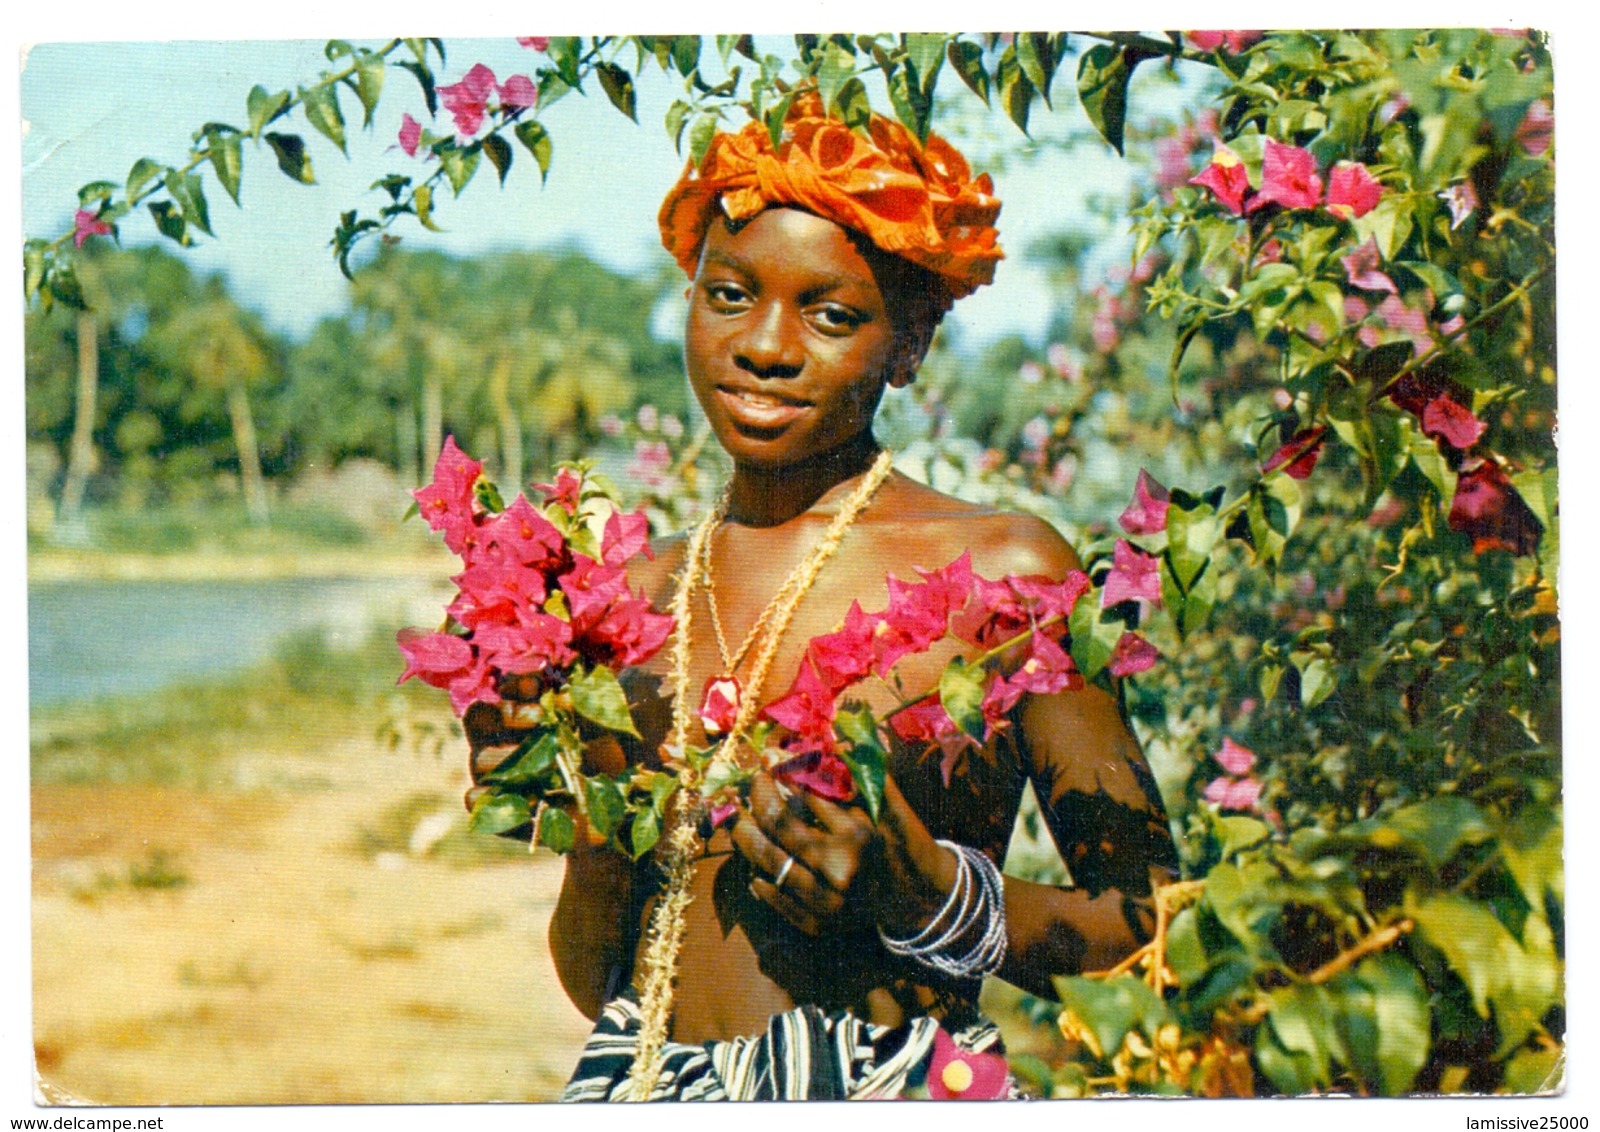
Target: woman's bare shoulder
{"points": [[1001, 542], [654, 574]]}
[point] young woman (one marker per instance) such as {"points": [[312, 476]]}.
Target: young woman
{"points": [[822, 953]]}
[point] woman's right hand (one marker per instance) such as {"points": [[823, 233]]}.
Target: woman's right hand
{"points": [[494, 730]]}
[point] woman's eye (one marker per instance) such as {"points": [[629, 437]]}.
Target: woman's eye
{"points": [[725, 295], [836, 318]]}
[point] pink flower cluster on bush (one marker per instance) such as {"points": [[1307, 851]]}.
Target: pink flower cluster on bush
{"points": [[528, 603], [1289, 179]]}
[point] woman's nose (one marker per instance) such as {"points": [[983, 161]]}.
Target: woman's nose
{"points": [[770, 345]]}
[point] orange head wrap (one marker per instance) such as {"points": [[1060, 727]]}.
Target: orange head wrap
{"points": [[919, 202]]}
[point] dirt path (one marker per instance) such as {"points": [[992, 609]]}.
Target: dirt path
{"points": [[324, 932]]}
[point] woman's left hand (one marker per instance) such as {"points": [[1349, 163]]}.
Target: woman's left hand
{"points": [[842, 862]]}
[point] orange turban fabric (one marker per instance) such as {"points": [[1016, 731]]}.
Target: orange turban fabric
{"points": [[919, 202]]}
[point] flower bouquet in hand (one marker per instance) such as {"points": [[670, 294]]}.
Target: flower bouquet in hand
{"points": [[543, 597]]}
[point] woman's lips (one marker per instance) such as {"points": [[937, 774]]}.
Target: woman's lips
{"points": [[750, 408]]}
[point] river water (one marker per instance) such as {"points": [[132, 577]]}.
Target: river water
{"points": [[95, 638]]}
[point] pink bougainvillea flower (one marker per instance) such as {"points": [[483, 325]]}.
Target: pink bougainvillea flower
{"points": [[956, 1074], [537, 42], [918, 615], [998, 699], [1361, 268], [1462, 200], [468, 100], [807, 709], [1537, 128], [823, 773], [1235, 41], [563, 492], [1445, 419], [410, 134], [1489, 509], [1132, 654], [1226, 177], [86, 224], [630, 633], [1235, 758], [1288, 177], [536, 641], [1134, 576], [626, 534], [651, 463], [1352, 191], [1047, 670], [434, 658], [719, 705], [448, 501], [845, 655], [1299, 455], [1408, 320], [590, 587], [525, 535], [1233, 793], [518, 93], [1147, 514], [925, 721]]}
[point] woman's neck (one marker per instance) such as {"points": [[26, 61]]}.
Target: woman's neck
{"points": [[768, 497]]}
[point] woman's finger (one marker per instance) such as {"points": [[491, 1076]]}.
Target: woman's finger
{"points": [[786, 906], [785, 872]]}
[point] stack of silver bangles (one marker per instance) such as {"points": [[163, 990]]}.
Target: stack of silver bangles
{"points": [[976, 897]]}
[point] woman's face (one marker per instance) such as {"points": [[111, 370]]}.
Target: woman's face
{"points": [[788, 344]]}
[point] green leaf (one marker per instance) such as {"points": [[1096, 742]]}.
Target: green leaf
{"points": [[618, 85], [961, 693], [1112, 1007], [607, 807], [967, 59], [321, 102], [263, 108], [291, 153], [1236, 833], [855, 108], [488, 495], [1535, 1071], [188, 193], [144, 172], [644, 832], [1516, 985], [537, 139], [170, 222], [1191, 534], [1186, 951], [424, 77], [598, 697], [369, 83], [1094, 638], [556, 830], [1318, 677], [499, 813], [1016, 92], [223, 148], [1037, 56], [499, 151], [422, 199], [1399, 1012], [924, 55], [1436, 828], [838, 67], [700, 135], [1530, 844], [1302, 1020], [96, 191], [864, 756], [1103, 74], [686, 54], [459, 165], [531, 762], [33, 267]]}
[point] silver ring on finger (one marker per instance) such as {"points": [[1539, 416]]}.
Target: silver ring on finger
{"points": [[783, 872]]}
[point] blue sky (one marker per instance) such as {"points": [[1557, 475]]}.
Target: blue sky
{"points": [[92, 109]]}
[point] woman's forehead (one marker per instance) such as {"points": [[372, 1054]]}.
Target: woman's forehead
{"points": [[791, 241]]}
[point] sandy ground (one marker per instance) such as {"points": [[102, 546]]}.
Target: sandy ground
{"points": [[291, 939]]}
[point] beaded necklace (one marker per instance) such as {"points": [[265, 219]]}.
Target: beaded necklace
{"points": [[682, 841]]}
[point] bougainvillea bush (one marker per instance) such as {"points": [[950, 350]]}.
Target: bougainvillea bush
{"points": [[1302, 440]]}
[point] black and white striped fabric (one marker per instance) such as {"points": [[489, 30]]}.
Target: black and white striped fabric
{"points": [[803, 1055]]}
